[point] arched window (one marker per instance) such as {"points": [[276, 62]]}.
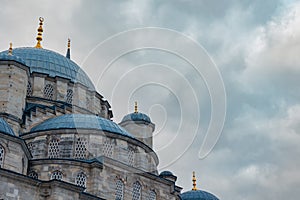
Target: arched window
{"points": [[69, 96], [108, 147], [29, 89], [48, 91], [56, 175], [80, 148], [131, 156], [53, 149], [81, 179], [33, 174], [136, 191], [2, 152], [152, 195], [119, 190]]}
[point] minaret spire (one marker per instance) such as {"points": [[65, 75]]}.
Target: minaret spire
{"points": [[68, 55], [194, 182], [39, 37], [135, 107], [10, 49]]}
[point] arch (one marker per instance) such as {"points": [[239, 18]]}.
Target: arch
{"points": [[136, 191], [29, 89], [33, 174], [53, 148], [80, 179], [119, 190], [80, 148], [152, 195], [2, 155], [49, 91], [58, 175], [69, 96]]}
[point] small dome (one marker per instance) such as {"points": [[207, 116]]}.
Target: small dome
{"points": [[198, 195], [6, 57], [81, 121], [136, 116], [166, 173], [5, 127], [49, 62]]}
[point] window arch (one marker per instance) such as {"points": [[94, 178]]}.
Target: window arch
{"points": [[131, 156], [29, 89], [49, 91], [69, 96], [56, 175], [119, 190], [53, 149], [2, 153], [33, 174], [81, 179], [152, 195], [136, 191], [80, 148], [108, 147]]}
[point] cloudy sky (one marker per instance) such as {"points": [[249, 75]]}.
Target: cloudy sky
{"points": [[249, 47]]}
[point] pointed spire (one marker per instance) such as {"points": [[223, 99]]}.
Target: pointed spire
{"points": [[135, 107], [39, 37], [68, 55], [194, 182], [10, 49]]}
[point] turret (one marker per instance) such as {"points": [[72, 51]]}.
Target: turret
{"points": [[13, 87], [139, 125]]}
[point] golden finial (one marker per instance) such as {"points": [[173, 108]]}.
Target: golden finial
{"points": [[69, 43], [194, 181], [135, 107], [39, 37], [10, 49]]}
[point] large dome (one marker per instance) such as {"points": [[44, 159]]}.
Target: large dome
{"points": [[53, 64], [197, 195], [81, 121]]}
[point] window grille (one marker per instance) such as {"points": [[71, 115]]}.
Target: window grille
{"points": [[33, 174], [29, 89], [136, 191], [108, 148], [48, 92], [81, 179], [119, 190], [80, 148], [69, 96], [30, 146], [53, 149], [56, 175], [152, 195], [131, 156], [2, 152]]}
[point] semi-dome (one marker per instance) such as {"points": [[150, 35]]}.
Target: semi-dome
{"points": [[136, 116], [197, 195], [5, 128], [81, 121], [51, 63]]}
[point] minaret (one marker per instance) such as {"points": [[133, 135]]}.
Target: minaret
{"points": [[39, 37], [68, 55]]}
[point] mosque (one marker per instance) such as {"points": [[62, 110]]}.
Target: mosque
{"points": [[58, 140]]}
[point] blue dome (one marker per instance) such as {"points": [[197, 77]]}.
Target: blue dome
{"points": [[80, 121], [5, 56], [166, 173], [136, 117], [5, 128], [51, 63], [198, 195]]}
